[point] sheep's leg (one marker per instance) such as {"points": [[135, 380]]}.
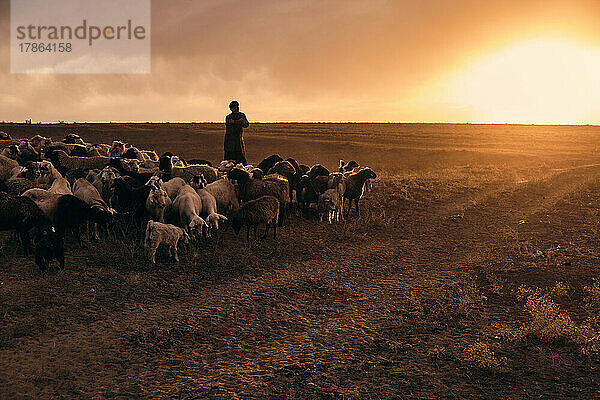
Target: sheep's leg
{"points": [[77, 235], [274, 230], [60, 256], [175, 252], [357, 212], [153, 254], [24, 235], [248, 232], [266, 230], [255, 231], [96, 236]]}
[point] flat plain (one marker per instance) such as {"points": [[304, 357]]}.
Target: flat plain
{"points": [[472, 272]]}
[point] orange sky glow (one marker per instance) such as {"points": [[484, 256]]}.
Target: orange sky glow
{"points": [[382, 60]]}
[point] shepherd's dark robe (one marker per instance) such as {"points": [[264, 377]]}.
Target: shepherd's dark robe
{"points": [[234, 141]]}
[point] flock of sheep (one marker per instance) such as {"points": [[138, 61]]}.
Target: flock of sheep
{"points": [[55, 187]]}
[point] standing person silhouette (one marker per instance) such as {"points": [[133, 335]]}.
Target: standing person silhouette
{"points": [[234, 127]]}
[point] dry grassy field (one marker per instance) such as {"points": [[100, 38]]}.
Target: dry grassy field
{"points": [[471, 273]]}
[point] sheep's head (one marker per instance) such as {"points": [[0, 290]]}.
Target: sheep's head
{"points": [[100, 214], [108, 174], [197, 224], [213, 220], [226, 165], [158, 197], [198, 182], [238, 175], [130, 165], [13, 151], [165, 163], [284, 168], [116, 149], [155, 181], [367, 173]]}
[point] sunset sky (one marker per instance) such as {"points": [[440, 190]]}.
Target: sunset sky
{"points": [[433, 61]]}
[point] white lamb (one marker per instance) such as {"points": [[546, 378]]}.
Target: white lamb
{"points": [[157, 233], [157, 201]]}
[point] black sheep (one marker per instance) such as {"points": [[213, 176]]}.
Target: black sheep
{"points": [[268, 162], [20, 214], [128, 197], [49, 246], [71, 212]]}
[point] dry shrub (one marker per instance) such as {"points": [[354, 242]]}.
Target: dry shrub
{"points": [[480, 355]]}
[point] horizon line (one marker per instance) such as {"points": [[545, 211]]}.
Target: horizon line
{"points": [[302, 122]]}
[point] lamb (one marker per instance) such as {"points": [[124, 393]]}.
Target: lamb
{"points": [[330, 206], [157, 201], [265, 210], [188, 206], [60, 186], [355, 186], [269, 162], [20, 214], [224, 193], [251, 189], [64, 162], [48, 246], [157, 233]]}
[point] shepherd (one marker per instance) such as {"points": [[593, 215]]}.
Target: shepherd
{"points": [[234, 127]]}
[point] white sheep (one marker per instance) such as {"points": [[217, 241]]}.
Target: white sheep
{"points": [[157, 201], [225, 194], [209, 208], [157, 233], [188, 206], [60, 186]]}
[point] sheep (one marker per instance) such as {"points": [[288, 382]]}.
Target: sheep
{"points": [[265, 210], [317, 170], [157, 201], [209, 208], [133, 153], [11, 152], [44, 199], [97, 150], [40, 143], [157, 233], [251, 189], [48, 246], [60, 186], [78, 150], [48, 173], [188, 206], [285, 168], [309, 189], [20, 214], [347, 167], [73, 138], [4, 136], [355, 186], [129, 197], [27, 153], [150, 156], [63, 162], [210, 173], [17, 185], [125, 166], [224, 193], [6, 167], [172, 187], [116, 149], [85, 191], [269, 162], [226, 166], [69, 212], [330, 206]]}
